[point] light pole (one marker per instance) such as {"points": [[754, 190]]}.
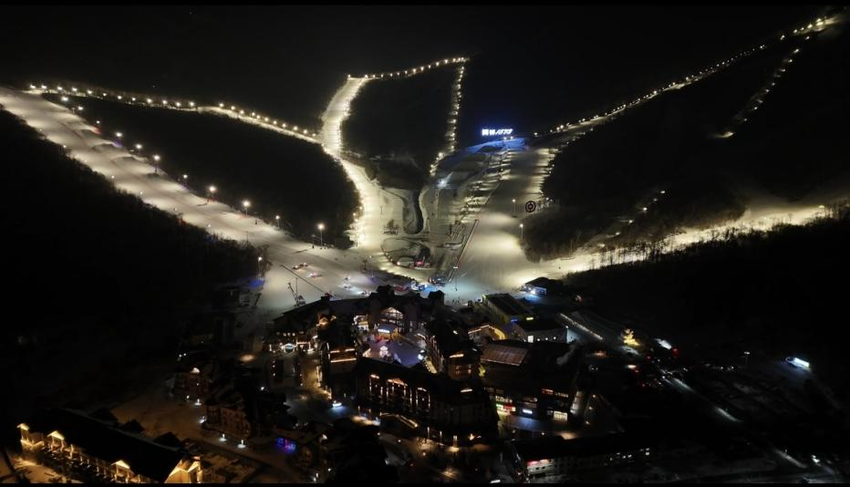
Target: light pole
{"points": [[746, 359], [513, 200], [277, 220], [456, 277], [210, 193], [321, 239], [520, 231], [245, 205], [156, 166], [259, 259]]}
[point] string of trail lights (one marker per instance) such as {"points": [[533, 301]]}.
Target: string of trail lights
{"points": [[451, 135], [406, 73], [757, 99], [232, 111], [154, 161], [688, 80], [742, 116], [738, 119], [814, 26], [751, 107]]}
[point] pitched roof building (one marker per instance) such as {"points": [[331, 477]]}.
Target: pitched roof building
{"points": [[96, 450]]}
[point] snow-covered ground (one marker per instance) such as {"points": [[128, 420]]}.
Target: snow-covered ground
{"points": [[136, 176], [487, 241]]}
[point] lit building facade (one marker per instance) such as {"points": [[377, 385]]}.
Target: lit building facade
{"points": [[538, 381], [448, 411], [504, 309], [450, 350], [95, 451], [554, 459]]}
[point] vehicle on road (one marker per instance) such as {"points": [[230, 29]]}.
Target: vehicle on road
{"points": [[438, 280], [315, 274]]}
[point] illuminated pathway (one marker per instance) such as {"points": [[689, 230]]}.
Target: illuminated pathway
{"points": [[134, 175], [378, 205], [492, 259]]}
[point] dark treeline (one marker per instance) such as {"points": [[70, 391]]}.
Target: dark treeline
{"points": [[780, 292], [100, 282], [609, 173], [404, 122], [279, 175], [790, 147]]}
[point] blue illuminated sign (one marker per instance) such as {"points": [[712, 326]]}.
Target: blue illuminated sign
{"points": [[496, 132]]}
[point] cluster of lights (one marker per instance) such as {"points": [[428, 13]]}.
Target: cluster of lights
{"points": [[417, 70], [817, 24]]}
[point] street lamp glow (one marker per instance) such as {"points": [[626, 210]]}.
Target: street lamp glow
{"points": [[138, 146], [119, 134], [212, 189], [156, 157]]}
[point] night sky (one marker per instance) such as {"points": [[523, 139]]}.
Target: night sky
{"points": [[530, 66]]}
